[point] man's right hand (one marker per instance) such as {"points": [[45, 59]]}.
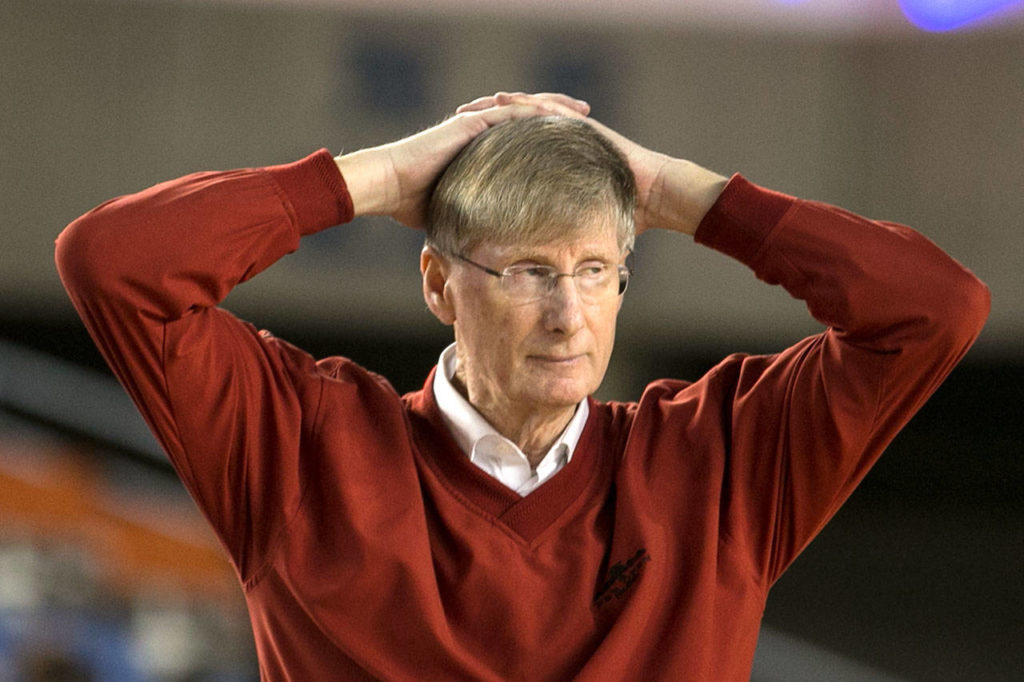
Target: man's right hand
{"points": [[396, 179]]}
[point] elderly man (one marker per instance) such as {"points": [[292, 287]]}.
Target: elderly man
{"points": [[499, 523]]}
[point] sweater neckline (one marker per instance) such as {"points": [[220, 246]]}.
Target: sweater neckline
{"points": [[525, 517]]}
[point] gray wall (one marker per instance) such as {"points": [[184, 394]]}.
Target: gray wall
{"points": [[102, 98]]}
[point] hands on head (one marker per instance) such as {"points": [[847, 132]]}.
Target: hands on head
{"points": [[396, 179]]}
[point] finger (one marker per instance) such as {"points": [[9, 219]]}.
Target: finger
{"points": [[494, 115], [543, 98], [505, 98], [498, 99], [578, 105], [476, 105]]}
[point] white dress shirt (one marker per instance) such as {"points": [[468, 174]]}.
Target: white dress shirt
{"points": [[488, 449]]}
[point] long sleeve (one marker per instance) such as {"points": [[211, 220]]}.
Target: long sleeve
{"points": [[805, 425], [145, 272]]}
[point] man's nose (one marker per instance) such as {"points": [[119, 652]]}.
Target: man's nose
{"points": [[563, 307]]}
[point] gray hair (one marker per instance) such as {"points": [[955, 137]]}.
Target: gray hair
{"points": [[531, 181]]}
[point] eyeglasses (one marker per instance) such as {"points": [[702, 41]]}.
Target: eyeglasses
{"points": [[527, 283]]}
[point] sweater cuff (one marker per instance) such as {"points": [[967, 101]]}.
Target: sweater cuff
{"points": [[316, 191], [741, 219]]}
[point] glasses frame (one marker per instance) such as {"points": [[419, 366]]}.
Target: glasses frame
{"points": [[624, 271]]}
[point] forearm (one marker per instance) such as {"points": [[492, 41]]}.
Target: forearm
{"points": [[878, 284], [186, 243]]}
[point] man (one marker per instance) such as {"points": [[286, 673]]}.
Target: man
{"points": [[501, 524]]}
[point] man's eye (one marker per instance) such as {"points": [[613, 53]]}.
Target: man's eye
{"points": [[539, 272], [590, 271]]}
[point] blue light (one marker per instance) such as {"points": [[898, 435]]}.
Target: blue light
{"points": [[946, 15]]}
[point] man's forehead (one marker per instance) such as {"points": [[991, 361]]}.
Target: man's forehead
{"points": [[597, 237], [580, 244]]}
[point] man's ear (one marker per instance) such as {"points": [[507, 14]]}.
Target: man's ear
{"points": [[436, 269]]}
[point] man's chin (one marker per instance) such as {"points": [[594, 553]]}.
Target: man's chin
{"points": [[560, 386], [561, 395]]}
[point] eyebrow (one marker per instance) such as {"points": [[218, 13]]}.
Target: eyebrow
{"points": [[526, 255]]}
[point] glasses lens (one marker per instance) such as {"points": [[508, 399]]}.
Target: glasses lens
{"points": [[528, 283], [594, 283]]}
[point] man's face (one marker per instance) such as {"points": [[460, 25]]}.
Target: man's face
{"points": [[523, 358]]}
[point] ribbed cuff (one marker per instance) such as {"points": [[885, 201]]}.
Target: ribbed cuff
{"points": [[742, 218], [316, 191]]}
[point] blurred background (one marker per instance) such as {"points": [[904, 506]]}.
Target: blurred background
{"points": [[907, 111]]}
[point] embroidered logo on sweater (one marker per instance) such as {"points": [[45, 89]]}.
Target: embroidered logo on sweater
{"points": [[621, 577]]}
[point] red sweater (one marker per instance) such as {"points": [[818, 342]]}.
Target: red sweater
{"points": [[369, 546]]}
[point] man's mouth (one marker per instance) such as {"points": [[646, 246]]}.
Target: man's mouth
{"points": [[557, 359]]}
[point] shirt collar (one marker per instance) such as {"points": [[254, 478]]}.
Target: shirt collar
{"points": [[470, 429]]}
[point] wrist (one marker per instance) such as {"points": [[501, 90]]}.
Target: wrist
{"points": [[368, 174], [687, 193]]}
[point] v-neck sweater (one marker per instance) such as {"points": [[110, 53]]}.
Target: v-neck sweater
{"points": [[369, 547]]}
